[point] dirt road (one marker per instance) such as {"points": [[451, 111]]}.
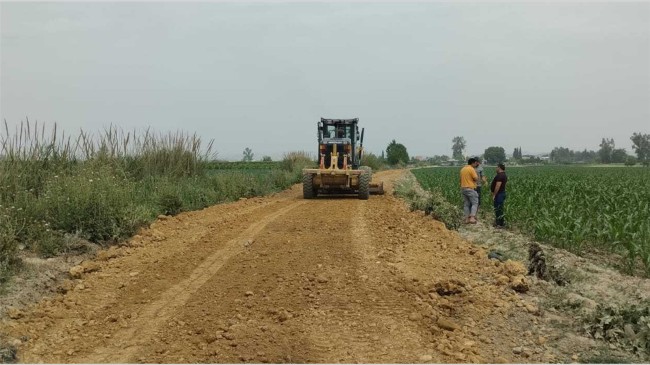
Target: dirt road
{"points": [[282, 279]]}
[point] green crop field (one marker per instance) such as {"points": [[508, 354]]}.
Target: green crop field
{"points": [[571, 207]]}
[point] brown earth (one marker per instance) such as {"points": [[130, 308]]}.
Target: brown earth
{"points": [[282, 279]]}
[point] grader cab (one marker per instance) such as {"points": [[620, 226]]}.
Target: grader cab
{"points": [[340, 151]]}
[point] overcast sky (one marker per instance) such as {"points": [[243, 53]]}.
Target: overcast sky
{"points": [[261, 75]]}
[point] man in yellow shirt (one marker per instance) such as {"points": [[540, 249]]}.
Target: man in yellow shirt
{"points": [[468, 179]]}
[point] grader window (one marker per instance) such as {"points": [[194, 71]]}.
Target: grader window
{"points": [[340, 131], [330, 131]]}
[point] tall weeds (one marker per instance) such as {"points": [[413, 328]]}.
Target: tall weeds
{"points": [[55, 189]]}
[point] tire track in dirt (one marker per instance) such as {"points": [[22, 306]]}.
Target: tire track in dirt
{"points": [[378, 308], [131, 339]]}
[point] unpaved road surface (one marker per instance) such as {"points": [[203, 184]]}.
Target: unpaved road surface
{"points": [[282, 279]]}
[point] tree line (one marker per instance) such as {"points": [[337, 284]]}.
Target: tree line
{"points": [[396, 154], [608, 153]]}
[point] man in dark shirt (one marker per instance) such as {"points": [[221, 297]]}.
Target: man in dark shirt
{"points": [[498, 189]]}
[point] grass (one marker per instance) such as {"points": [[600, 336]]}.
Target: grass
{"points": [[431, 202], [55, 189]]}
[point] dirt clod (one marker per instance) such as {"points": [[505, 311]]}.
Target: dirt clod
{"points": [[519, 284], [449, 287], [14, 313], [425, 358], [447, 324]]}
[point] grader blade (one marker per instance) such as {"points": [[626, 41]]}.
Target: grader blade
{"points": [[377, 188]]}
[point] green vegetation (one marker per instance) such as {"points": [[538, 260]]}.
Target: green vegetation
{"points": [[55, 190], [248, 155], [570, 206], [371, 160], [628, 326], [495, 155], [432, 202], [641, 146], [396, 153], [243, 165], [458, 147]]}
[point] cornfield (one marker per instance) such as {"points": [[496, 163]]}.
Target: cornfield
{"points": [[576, 208]]}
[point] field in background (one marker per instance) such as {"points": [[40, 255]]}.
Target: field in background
{"points": [[57, 192], [572, 207], [244, 165]]}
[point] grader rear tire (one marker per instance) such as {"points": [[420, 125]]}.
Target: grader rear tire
{"points": [[367, 168], [308, 190], [364, 185]]}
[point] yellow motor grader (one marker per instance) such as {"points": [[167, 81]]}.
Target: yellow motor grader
{"points": [[340, 151]]}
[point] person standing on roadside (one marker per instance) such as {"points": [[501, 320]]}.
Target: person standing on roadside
{"points": [[498, 189], [468, 179], [481, 180]]}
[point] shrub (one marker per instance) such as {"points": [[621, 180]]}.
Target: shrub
{"points": [[297, 160], [628, 326], [91, 203], [372, 161], [8, 246], [630, 161], [170, 203]]}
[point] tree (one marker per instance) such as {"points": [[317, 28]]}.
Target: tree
{"points": [[562, 155], [630, 161], [605, 151], [267, 159], [619, 155], [438, 160], [458, 148], [396, 153], [641, 145], [585, 156], [494, 155], [248, 155]]}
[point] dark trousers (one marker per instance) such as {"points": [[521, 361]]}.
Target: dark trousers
{"points": [[499, 200], [478, 191]]}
